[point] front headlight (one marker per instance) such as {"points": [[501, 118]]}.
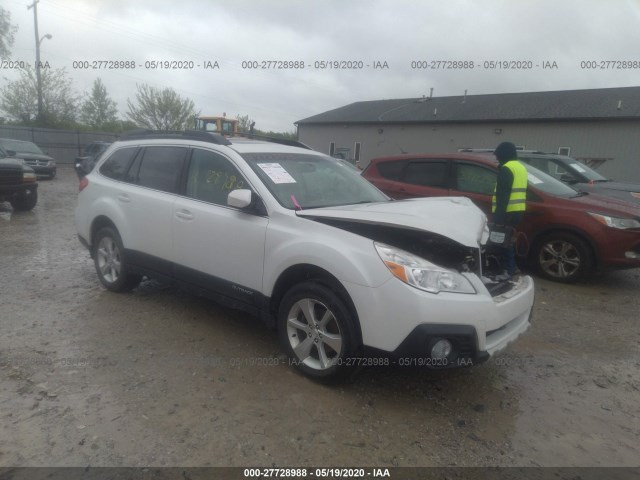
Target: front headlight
{"points": [[421, 273], [614, 222]]}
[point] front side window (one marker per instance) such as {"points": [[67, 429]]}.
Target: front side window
{"points": [[429, 174], [300, 181], [475, 179], [211, 177], [160, 168], [117, 164]]}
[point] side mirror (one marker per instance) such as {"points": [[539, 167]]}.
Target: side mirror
{"points": [[240, 198], [248, 201]]}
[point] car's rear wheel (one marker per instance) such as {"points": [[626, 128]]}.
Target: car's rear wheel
{"points": [[318, 332], [110, 263], [563, 257], [26, 200]]}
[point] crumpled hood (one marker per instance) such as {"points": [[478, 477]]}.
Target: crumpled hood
{"points": [[454, 217]]}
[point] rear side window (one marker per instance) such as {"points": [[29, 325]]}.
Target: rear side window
{"points": [[391, 170], [429, 174], [117, 164], [160, 168]]}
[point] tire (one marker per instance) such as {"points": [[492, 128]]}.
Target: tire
{"points": [[52, 175], [563, 257], [110, 263], [327, 350], [26, 200]]}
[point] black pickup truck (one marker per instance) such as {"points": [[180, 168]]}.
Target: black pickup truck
{"points": [[18, 184]]}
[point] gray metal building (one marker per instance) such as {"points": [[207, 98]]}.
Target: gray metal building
{"points": [[600, 127]]}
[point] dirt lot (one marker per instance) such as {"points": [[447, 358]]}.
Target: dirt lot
{"points": [[159, 377]]}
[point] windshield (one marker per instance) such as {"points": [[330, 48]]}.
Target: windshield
{"points": [[583, 170], [19, 146], [546, 183], [300, 181]]}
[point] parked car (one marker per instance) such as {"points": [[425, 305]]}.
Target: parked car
{"points": [[581, 176], [85, 163], [565, 234], [18, 184], [35, 158], [305, 243], [575, 173]]}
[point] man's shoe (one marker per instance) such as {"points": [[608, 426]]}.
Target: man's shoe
{"points": [[503, 276]]}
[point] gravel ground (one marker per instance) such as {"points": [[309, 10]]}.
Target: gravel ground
{"points": [[159, 377]]}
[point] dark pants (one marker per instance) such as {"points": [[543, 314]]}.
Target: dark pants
{"points": [[511, 219]]}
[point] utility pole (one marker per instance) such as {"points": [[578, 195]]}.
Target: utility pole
{"points": [[34, 5]]}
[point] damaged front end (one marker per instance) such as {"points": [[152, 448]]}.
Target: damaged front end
{"points": [[429, 260]]}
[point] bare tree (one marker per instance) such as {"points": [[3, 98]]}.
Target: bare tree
{"points": [[161, 109]]}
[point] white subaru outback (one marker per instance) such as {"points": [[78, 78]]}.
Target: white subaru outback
{"points": [[300, 239]]}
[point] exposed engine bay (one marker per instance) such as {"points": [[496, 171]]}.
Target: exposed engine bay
{"points": [[438, 249]]}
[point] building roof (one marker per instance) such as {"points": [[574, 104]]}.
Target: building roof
{"points": [[593, 104]]}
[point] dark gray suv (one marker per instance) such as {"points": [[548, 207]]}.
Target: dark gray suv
{"points": [[580, 176]]}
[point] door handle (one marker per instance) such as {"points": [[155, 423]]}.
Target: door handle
{"points": [[123, 197], [184, 214]]}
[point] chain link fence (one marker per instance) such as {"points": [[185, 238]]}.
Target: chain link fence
{"points": [[63, 145]]}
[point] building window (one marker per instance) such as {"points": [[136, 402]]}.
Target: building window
{"points": [[564, 151], [332, 148], [357, 152]]}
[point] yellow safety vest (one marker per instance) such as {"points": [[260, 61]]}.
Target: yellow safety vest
{"points": [[518, 197]]}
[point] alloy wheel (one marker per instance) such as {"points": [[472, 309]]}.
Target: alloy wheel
{"points": [[109, 260], [560, 259], [314, 334]]}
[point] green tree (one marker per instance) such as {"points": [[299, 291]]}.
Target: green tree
{"points": [[244, 126], [19, 99], [6, 33], [98, 110], [161, 109], [244, 123]]}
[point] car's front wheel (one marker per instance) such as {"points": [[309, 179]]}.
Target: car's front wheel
{"points": [[318, 331], [563, 257], [110, 263], [26, 200]]}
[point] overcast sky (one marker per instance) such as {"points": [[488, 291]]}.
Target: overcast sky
{"points": [[397, 32]]}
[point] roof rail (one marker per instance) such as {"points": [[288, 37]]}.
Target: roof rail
{"points": [[282, 141], [182, 135]]}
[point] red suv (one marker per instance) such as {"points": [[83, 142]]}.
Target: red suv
{"points": [[565, 234]]}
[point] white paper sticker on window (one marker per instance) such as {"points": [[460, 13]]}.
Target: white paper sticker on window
{"points": [[577, 167], [533, 179], [276, 173]]}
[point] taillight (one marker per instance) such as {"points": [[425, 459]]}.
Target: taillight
{"points": [[84, 182]]}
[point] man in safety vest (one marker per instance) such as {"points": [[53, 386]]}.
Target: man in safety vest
{"points": [[510, 196]]}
